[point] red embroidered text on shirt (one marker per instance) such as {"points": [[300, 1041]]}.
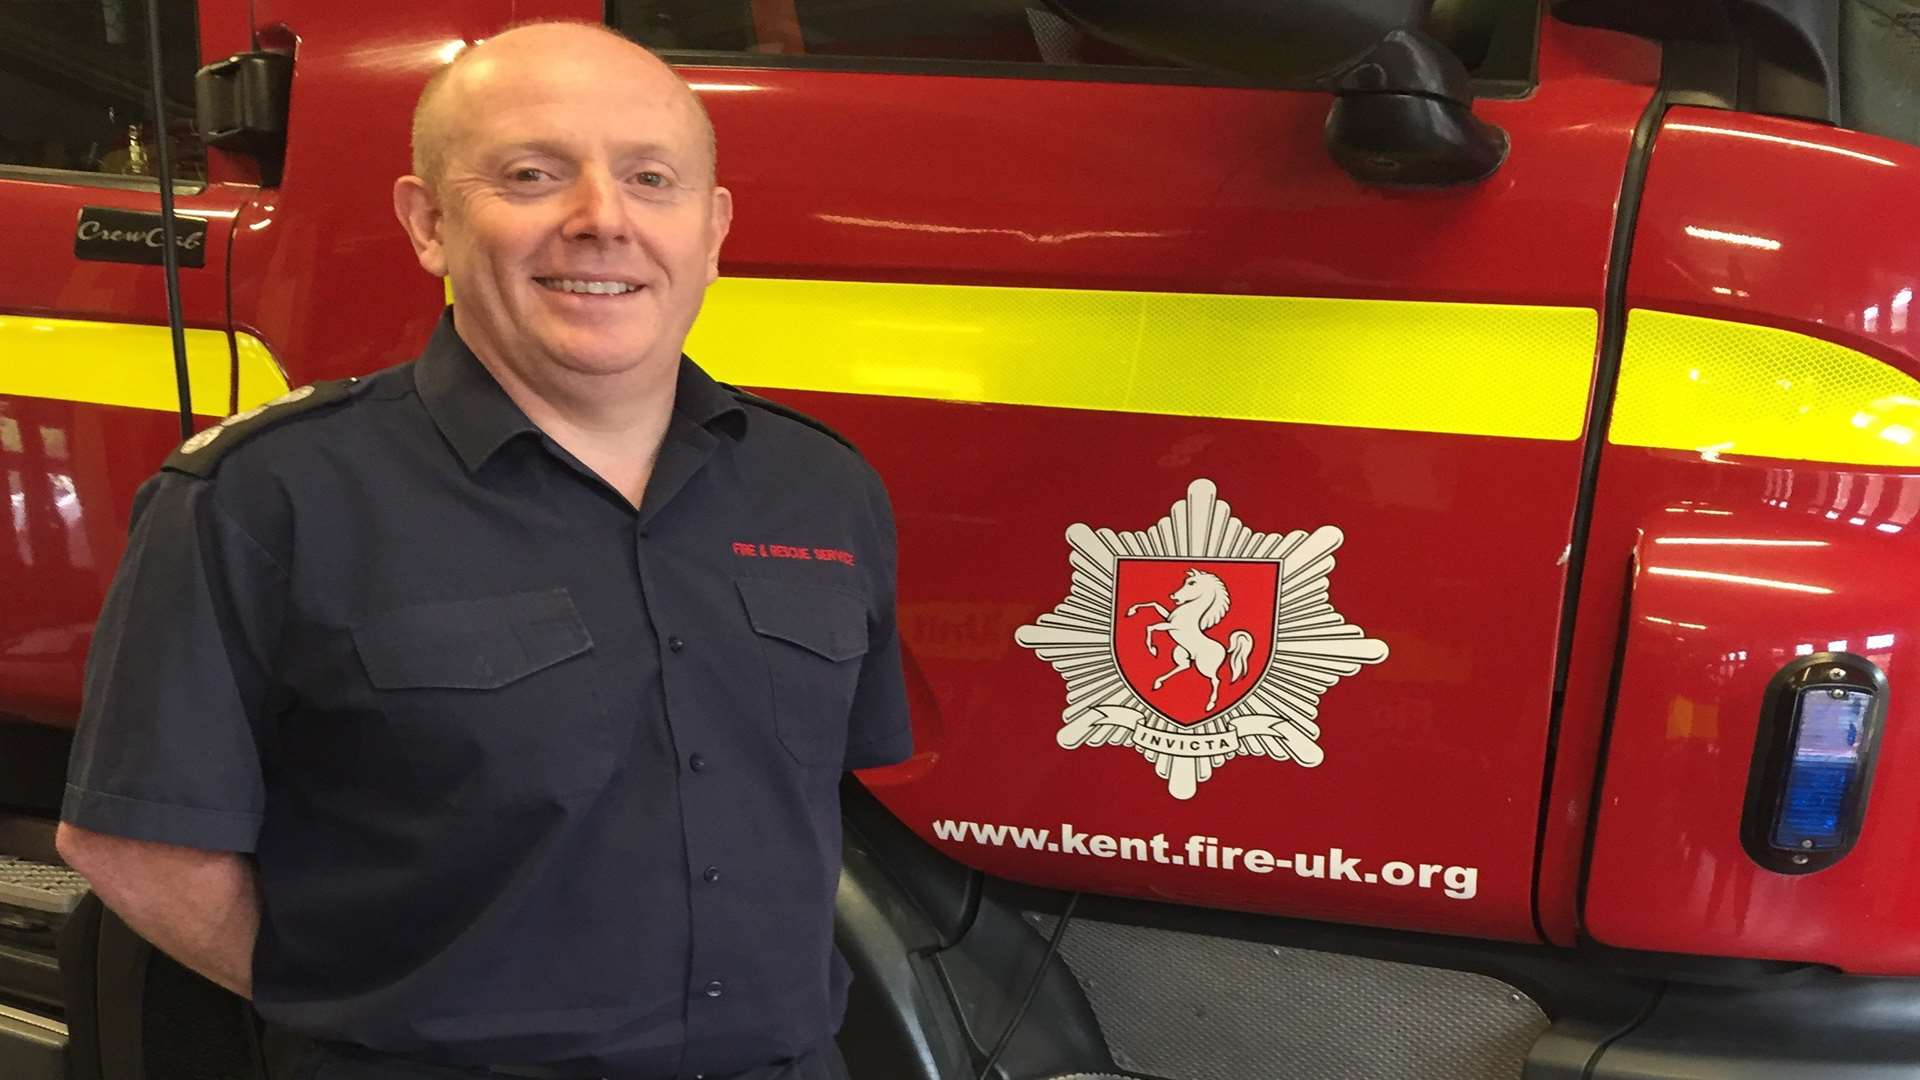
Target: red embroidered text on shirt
{"points": [[787, 551]]}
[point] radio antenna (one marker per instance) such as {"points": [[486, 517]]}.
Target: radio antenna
{"points": [[169, 232]]}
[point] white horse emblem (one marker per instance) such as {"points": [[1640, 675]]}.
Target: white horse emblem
{"points": [[1290, 653], [1200, 603]]}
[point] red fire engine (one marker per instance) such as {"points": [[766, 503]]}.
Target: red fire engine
{"points": [[1407, 516]]}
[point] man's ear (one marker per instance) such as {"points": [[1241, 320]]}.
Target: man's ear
{"points": [[417, 208], [722, 221]]}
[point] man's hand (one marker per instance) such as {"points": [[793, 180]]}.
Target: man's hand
{"points": [[200, 907]]}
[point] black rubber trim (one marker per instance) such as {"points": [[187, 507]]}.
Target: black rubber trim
{"points": [[944, 892], [233, 332], [35, 174], [899, 1021], [1033, 988], [1616, 672], [1787, 691], [1613, 333], [985, 977], [79, 976], [1492, 89], [1829, 1028]]}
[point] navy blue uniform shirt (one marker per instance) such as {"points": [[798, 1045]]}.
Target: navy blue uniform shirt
{"points": [[529, 776]]}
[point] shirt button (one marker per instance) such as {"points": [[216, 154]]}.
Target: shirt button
{"points": [[712, 875], [697, 763], [716, 988], [676, 644]]}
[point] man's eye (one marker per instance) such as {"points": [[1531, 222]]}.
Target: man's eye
{"points": [[651, 179], [527, 175]]}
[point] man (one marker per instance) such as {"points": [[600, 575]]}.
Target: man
{"points": [[471, 687]]}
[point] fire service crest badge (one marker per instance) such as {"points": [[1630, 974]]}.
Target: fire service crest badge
{"points": [[1199, 640]]}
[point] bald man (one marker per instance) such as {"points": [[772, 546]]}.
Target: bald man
{"points": [[453, 714]]}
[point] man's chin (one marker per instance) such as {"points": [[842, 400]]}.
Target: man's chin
{"points": [[628, 356]]}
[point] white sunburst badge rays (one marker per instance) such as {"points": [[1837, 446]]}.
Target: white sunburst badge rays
{"points": [[1312, 648]]}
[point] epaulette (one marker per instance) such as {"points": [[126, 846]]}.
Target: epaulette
{"points": [[791, 413], [199, 455]]}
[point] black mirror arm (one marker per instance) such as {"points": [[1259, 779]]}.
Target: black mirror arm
{"points": [[1403, 114]]}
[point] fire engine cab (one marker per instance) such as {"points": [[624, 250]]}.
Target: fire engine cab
{"points": [[1407, 507]]}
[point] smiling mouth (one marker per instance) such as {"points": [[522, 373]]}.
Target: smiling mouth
{"points": [[586, 286]]}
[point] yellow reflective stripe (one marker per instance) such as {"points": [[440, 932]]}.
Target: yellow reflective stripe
{"points": [[127, 364], [1470, 369], [261, 379], [1707, 385]]}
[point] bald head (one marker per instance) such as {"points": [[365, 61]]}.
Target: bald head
{"points": [[564, 187], [442, 115]]}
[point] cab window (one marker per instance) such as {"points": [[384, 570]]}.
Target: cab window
{"points": [[1494, 38], [75, 80], [952, 31]]}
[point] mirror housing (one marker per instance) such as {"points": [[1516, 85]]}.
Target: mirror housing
{"points": [[1403, 104]]}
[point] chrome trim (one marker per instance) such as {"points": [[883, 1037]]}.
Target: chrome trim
{"points": [[44, 1023]]}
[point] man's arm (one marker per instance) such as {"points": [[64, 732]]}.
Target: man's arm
{"points": [[200, 907], [164, 791]]}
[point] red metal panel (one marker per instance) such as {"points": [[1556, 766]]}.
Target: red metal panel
{"points": [[1668, 870], [1199, 189], [70, 479], [1431, 757], [41, 276], [1784, 223], [1181, 188], [980, 180], [68, 490], [1760, 250]]}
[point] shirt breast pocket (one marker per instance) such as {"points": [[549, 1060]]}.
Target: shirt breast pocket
{"points": [[490, 700], [812, 637]]}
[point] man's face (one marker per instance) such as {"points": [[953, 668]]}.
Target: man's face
{"points": [[577, 214]]}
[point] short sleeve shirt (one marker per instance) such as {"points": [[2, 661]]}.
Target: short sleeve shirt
{"points": [[530, 776]]}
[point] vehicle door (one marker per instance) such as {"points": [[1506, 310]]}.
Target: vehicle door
{"points": [[1234, 494], [89, 404]]}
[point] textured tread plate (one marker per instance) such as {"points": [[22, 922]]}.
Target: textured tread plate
{"points": [[1196, 1007], [40, 886]]}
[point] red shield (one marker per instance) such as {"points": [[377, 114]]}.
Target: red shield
{"points": [[1169, 629]]}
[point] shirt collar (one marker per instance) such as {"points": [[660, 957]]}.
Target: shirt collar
{"points": [[697, 397], [477, 417]]}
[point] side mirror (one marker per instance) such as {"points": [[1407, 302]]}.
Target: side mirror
{"points": [[1403, 104]]}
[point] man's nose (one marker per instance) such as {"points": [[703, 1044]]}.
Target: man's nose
{"points": [[599, 212]]}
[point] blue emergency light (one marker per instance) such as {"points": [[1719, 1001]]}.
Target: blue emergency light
{"points": [[1813, 762]]}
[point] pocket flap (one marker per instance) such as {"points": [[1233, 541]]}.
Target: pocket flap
{"points": [[479, 644], [826, 621]]}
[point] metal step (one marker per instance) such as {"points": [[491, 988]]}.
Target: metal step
{"points": [[40, 886], [32, 1047]]}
